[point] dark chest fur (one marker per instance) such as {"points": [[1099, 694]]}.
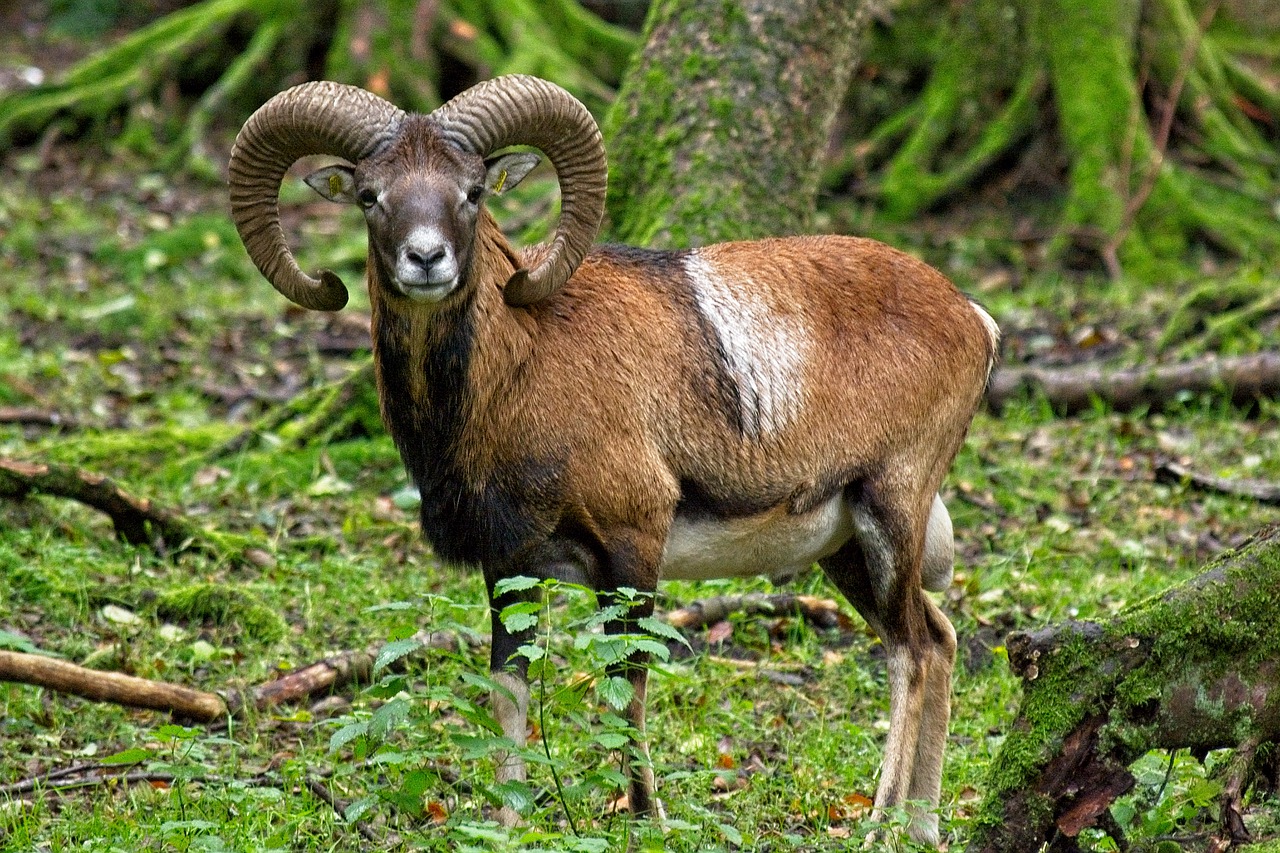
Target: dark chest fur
{"points": [[468, 517]]}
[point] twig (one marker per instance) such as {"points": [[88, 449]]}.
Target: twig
{"points": [[321, 792], [29, 416], [1262, 491], [101, 774], [57, 782], [821, 612], [1110, 251]]}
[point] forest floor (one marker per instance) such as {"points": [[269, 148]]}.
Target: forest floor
{"points": [[139, 341]]}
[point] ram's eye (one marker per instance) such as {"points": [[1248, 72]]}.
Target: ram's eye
{"points": [[473, 195], [367, 198]]}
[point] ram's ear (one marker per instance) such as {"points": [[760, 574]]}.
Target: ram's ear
{"points": [[507, 170], [336, 183]]}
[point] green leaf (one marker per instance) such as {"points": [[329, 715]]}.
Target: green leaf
{"points": [[611, 740], [521, 616], [129, 756], [659, 628], [356, 810], [173, 731], [616, 692], [387, 718], [348, 733], [730, 834], [532, 652], [393, 651], [18, 643], [519, 583]]}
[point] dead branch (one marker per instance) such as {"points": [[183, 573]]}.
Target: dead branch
{"points": [[321, 792], [93, 775], [823, 613], [114, 687], [137, 520], [329, 674], [1070, 390], [1262, 491], [29, 416]]}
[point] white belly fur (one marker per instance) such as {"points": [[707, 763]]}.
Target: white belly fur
{"points": [[774, 543], [780, 545]]}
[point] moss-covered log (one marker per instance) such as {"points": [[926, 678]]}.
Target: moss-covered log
{"points": [[721, 124], [1197, 667]]}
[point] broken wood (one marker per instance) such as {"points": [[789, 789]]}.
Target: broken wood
{"points": [[137, 520], [114, 687], [1262, 491], [1196, 668], [823, 613], [30, 416], [332, 673], [1071, 390]]}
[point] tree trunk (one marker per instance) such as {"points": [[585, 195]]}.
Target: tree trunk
{"points": [[1197, 668], [723, 120]]}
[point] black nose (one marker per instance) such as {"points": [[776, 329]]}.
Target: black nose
{"points": [[424, 260]]}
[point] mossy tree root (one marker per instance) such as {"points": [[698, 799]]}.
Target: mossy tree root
{"points": [[114, 77], [963, 119], [1197, 667]]}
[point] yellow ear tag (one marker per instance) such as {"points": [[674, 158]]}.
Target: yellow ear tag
{"points": [[335, 185], [502, 181]]}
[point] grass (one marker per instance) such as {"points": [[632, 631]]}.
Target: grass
{"points": [[132, 308]]}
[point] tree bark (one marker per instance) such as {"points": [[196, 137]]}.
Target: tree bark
{"points": [[1197, 668], [723, 120]]}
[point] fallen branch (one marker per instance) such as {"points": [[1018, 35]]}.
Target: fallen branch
{"points": [[1261, 491], [114, 687], [28, 416], [92, 775], [822, 613], [1070, 390], [197, 705], [137, 520]]}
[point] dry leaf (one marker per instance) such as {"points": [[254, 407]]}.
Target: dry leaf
{"points": [[720, 632]]}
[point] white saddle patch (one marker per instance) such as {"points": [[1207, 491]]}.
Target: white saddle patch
{"points": [[765, 349]]}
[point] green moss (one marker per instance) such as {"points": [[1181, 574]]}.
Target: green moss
{"points": [[222, 604]]}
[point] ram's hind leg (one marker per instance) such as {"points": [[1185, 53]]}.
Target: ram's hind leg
{"points": [[879, 572]]}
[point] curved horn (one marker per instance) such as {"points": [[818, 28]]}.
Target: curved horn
{"points": [[521, 110], [313, 118]]}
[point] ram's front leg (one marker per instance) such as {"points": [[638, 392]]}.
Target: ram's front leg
{"points": [[509, 699], [636, 766]]}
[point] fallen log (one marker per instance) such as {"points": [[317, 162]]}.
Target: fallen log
{"points": [[1071, 390], [1196, 668]]}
